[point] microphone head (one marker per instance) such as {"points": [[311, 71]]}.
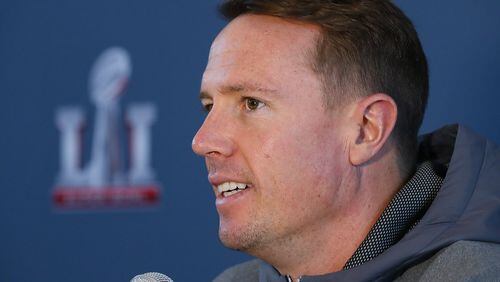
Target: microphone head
{"points": [[151, 277]]}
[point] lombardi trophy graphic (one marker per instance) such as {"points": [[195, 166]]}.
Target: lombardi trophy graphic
{"points": [[104, 180]]}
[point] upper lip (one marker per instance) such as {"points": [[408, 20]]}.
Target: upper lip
{"points": [[217, 180]]}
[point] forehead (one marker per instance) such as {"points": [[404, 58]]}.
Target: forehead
{"points": [[263, 48]]}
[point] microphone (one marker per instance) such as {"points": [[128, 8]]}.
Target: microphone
{"points": [[151, 277]]}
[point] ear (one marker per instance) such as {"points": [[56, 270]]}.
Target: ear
{"points": [[375, 116]]}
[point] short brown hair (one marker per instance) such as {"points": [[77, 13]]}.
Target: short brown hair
{"points": [[366, 47]]}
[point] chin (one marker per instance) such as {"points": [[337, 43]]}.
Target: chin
{"points": [[238, 239]]}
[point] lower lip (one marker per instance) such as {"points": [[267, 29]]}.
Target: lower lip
{"points": [[233, 199]]}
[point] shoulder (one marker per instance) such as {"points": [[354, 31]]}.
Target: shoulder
{"points": [[461, 261], [247, 271]]}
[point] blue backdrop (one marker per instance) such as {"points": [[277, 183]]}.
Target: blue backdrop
{"points": [[46, 51]]}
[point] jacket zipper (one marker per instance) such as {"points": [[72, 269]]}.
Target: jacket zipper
{"points": [[289, 279]]}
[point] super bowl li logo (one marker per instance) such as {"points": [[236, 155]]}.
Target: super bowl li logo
{"points": [[106, 180]]}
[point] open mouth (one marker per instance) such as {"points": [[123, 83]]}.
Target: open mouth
{"points": [[227, 189]]}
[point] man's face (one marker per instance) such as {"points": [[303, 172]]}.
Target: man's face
{"points": [[268, 130]]}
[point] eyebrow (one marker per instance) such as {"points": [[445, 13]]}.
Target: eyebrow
{"points": [[239, 88]]}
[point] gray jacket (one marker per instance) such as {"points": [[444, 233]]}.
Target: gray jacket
{"points": [[458, 238]]}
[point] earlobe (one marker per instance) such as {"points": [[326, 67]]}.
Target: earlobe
{"points": [[375, 117]]}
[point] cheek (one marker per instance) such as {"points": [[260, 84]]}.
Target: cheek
{"points": [[299, 172], [299, 157]]}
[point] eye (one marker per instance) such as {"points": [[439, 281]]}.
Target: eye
{"points": [[252, 104], [207, 107]]}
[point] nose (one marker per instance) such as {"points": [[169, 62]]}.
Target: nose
{"points": [[214, 137]]}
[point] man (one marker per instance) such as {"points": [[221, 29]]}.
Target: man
{"points": [[311, 147]]}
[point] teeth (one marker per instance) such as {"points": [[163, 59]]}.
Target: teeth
{"points": [[227, 194], [226, 186], [231, 186]]}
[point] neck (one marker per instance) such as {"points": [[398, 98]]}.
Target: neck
{"points": [[326, 246]]}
